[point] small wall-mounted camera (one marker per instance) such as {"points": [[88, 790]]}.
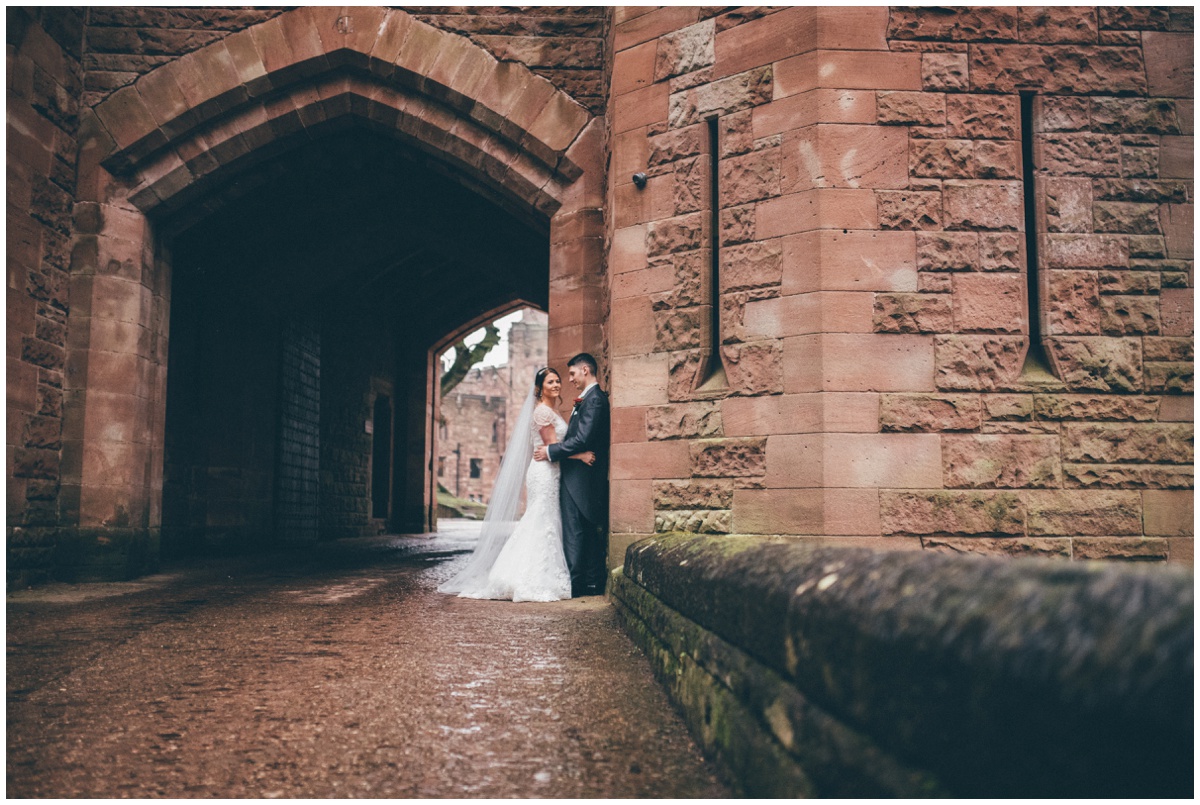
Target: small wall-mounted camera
{"points": [[639, 179]]}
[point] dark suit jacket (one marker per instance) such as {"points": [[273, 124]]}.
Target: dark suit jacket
{"points": [[587, 430]]}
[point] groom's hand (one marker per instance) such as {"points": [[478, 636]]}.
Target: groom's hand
{"points": [[540, 454]]}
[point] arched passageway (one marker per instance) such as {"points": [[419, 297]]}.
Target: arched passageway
{"points": [[305, 230]]}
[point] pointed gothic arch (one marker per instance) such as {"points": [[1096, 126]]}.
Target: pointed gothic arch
{"points": [[169, 147]]}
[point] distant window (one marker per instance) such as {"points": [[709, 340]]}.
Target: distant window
{"points": [[495, 431], [476, 467], [441, 466]]}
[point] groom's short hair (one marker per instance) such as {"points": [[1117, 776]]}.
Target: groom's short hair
{"points": [[587, 360]]}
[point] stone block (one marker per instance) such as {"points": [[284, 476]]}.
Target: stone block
{"points": [[680, 328], [977, 362], [983, 205], [1177, 311], [641, 107], [983, 117], [942, 159], [693, 494], [683, 233], [959, 25], [1143, 443], [1068, 204], [1066, 69], [1016, 547], [1128, 282], [639, 380], [1098, 364], [1128, 476], [632, 507], [912, 313], [1088, 407], [628, 424], [778, 511], [752, 177], [1001, 251], [1139, 549], [634, 68], [911, 108], [1084, 154], [1073, 303], [813, 107], [1170, 378], [881, 460], [1008, 406], [909, 209], [694, 522], [835, 155], [772, 414], [847, 70], [685, 50], [1170, 70], [1001, 462], [1081, 512], [721, 97], [1086, 251], [989, 303], [754, 368], [750, 266], [683, 421], [1124, 217], [738, 224], [728, 458], [690, 183], [952, 513], [1168, 513], [633, 326], [1057, 25], [822, 208], [650, 460], [850, 261], [928, 412], [944, 72], [858, 362], [1129, 315], [947, 251]]}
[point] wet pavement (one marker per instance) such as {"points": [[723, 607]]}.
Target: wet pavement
{"points": [[333, 672]]}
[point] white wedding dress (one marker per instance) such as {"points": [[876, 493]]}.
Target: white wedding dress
{"points": [[531, 566]]}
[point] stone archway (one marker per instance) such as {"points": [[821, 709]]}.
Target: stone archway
{"points": [[166, 149]]}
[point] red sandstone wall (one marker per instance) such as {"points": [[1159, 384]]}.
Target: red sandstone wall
{"points": [[562, 44], [43, 49], [873, 278]]}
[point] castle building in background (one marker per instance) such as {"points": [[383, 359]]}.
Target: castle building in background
{"points": [[889, 277]]}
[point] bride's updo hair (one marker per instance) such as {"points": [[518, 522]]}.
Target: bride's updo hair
{"points": [[540, 378]]}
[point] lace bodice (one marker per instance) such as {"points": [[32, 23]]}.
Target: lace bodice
{"points": [[543, 416]]}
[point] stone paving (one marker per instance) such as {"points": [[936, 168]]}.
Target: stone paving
{"points": [[335, 672]]}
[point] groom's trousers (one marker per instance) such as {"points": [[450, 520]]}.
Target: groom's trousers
{"points": [[583, 544]]}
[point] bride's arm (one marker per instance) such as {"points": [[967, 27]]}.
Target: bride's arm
{"points": [[549, 437]]}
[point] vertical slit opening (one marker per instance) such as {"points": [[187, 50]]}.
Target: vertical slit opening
{"points": [[1037, 364], [713, 377]]}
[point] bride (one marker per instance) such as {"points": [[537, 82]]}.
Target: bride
{"points": [[523, 560]]}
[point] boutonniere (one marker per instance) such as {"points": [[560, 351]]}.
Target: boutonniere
{"points": [[578, 400]]}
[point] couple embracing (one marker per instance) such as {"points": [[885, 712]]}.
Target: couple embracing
{"points": [[556, 549]]}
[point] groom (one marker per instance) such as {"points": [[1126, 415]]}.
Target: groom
{"points": [[584, 488]]}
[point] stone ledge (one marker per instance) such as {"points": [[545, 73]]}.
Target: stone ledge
{"points": [[983, 677]]}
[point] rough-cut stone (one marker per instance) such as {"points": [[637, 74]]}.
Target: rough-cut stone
{"points": [[1125, 217], [947, 251], [685, 50], [942, 159], [983, 205], [1001, 251], [737, 134], [1068, 69], [1008, 406], [1086, 407], [927, 412], [1072, 512], [1150, 443], [1053, 24], [1068, 204], [754, 265], [909, 209], [997, 159], [1129, 282], [689, 421], [1147, 18], [1147, 246], [983, 117], [912, 313], [953, 24], [944, 72], [1128, 115], [681, 328], [1086, 251], [1128, 476], [683, 373], [910, 108], [752, 177], [675, 235], [1065, 113], [721, 97], [754, 368], [951, 513], [989, 303], [728, 458], [690, 185], [695, 522], [677, 144], [1121, 548], [1146, 191], [977, 362], [1073, 301], [694, 494], [1098, 364], [1037, 547], [737, 224], [1169, 349], [1084, 154], [1000, 462], [1170, 377], [1129, 315]]}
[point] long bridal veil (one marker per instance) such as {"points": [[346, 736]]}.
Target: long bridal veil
{"points": [[503, 511]]}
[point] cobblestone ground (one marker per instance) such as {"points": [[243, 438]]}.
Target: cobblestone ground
{"points": [[337, 672]]}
